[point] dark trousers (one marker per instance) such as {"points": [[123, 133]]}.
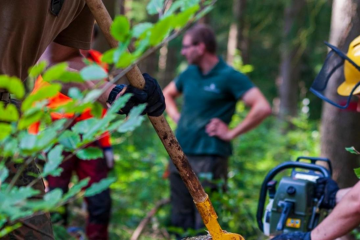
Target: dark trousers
{"points": [[99, 205], [208, 169]]}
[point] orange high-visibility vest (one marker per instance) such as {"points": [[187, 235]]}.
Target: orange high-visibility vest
{"points": [[61, 99]]}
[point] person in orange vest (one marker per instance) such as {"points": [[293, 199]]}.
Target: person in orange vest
{"points": [[99, 205]]}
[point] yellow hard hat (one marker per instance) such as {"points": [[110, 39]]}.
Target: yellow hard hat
{"points": [[351, 73]]}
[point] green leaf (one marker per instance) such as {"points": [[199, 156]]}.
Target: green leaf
{"points": [[4, 172], [11, 145], [75, 93], [99, 127], [161, 30], [352, 150], [55, 158], [16, 196], [54, 196], [155, 6], [141, 46], [69, 140], [5, 130], [70, 76], [134, 120], [38, 107], [27, 120], [97, 110], [204, 12], [175, 6], [93, 72], [46, 137], [121, 51], [42, 93], [118, 104], [96, 188], [357, 172], [140, 29], [8, 113], [76, 189], [13, 84], [92, 95], [37, 69], [89, 153], [28, 142], [108, 56], [84, 126], [125, 60], [188, 3], [8, 229], [55, 72], [120, 28], [181, 19]]}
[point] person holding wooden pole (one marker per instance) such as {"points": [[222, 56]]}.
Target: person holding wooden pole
{"points": [[28, 28]]}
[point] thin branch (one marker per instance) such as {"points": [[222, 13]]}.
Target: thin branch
{"points": [[138, 231], [19, 172], [36, 228]]}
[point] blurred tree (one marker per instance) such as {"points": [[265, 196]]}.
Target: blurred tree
{"points": [[120, 8], [236, 36], [289, 67], [339, 128], [205, 19], [150, 64]]}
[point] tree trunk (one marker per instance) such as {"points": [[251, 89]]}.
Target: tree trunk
{"points": [[289, 70], [168, 65], [150, 64], [205, 19], [340, 128], [236, 36]]}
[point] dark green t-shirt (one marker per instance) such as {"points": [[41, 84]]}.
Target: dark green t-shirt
{"points": [[213, 95]]}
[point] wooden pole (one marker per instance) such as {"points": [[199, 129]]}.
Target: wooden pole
{"points": [[167, 137]]}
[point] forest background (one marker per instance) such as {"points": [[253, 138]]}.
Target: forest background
{"points": [[279, 45]]}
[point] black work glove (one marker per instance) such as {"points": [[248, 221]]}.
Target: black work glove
{"points": [[151, 94], [138, 97], [293, 236], [328, 188], [156, 101]]}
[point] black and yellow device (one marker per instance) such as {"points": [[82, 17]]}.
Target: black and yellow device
{"points": [[293, 204]]}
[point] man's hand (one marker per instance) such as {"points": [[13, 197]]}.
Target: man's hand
{"points": [[217, 128], [156, 101], [293, 236], [151, 94], [328, 188]]}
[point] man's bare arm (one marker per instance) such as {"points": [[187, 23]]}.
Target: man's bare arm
{"points": [[341, 193], [170, 94], [259, 110], [344, 217], [56, 53]]}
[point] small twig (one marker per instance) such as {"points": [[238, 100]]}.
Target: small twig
{"points": [[29, 225], [18, 173], [145, 221]]}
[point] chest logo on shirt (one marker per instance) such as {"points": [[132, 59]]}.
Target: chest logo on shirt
{"points": [[212, 88]]}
